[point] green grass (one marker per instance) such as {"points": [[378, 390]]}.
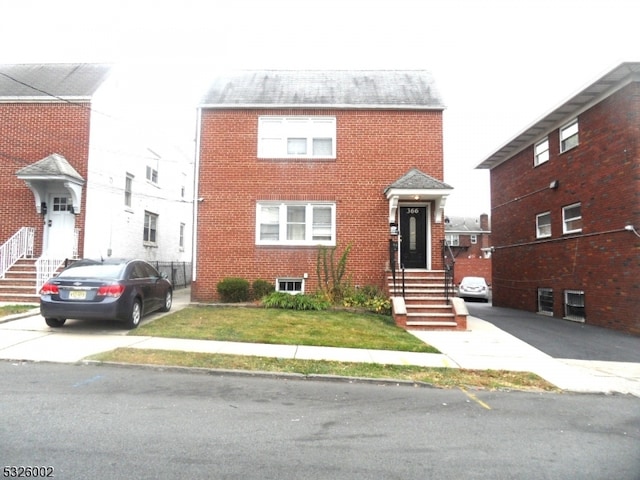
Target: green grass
{"points": [[333, 328], [6, 310], [440, 377]]}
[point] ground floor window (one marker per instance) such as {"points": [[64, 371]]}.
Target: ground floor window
{"points": [[574, 305], [295, 223], [290, 285], [545, 301], [150, 228]]}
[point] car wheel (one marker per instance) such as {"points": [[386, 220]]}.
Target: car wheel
{"points": [[135, 315], [55, 322], [168, 301]]}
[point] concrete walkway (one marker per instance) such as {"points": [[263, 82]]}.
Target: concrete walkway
{"points": [[483, 346]]}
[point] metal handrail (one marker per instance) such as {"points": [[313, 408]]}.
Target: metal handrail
{"points": [[19, 245], [448, 270], [46, 267]]}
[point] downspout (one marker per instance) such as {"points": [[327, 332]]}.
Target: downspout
{"points": [[196, 202]]}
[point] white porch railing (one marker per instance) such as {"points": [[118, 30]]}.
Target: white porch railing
{"points": [[45, 268], [18, 246]]}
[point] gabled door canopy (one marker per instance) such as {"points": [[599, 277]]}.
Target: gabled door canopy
{"points": [[54, 169], [417, 186]]}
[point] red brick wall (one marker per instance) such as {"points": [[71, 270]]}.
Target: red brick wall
{"points": [[30, 132], [603, 173], [472, 267], [374, 148]]}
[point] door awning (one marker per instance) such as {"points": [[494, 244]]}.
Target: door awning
{"points": [[52, 169], [417, 186]]}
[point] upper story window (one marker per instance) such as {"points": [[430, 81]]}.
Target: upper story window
{"points": [[543, 225], [297, 137], [152, 174], [569, 136], [452, 239], [296, 223], [474, 239], [572, 218], [541, 152], [128, 190]]}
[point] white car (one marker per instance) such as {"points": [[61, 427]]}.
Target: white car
{"points": [[474, 287]]}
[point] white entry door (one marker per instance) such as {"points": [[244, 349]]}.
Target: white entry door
{"points": [[59, 227]]}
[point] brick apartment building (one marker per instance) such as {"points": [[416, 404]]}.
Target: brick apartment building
{"points": [[565, 197], [292, 160]]}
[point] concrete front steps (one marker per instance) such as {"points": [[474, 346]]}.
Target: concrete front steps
{"points": [[424, 305], [19, 283]]}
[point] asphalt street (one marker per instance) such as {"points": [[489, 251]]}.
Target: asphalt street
{"points": [[108, 422], [561, 338]]}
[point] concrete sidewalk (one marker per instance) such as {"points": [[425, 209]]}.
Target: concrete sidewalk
{"points": [[483, 346]]}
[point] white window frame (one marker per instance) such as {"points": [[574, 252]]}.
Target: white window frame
{"points": [[284, 226], [570, 314], [152, 175], [567, 221], [290, 281], [128, 190], [150, 232], [452, 239], [541, 152], [540, 232], [473, 238], [569, 136], [295, 137], [181, 237], [542, 309]]}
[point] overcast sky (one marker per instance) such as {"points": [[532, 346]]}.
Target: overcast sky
{"points": [[499, 64]]}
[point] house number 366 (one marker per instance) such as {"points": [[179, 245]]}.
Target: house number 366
{"points": [[412, 211]]}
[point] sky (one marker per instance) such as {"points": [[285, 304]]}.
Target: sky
{"points": [[500, 65]]}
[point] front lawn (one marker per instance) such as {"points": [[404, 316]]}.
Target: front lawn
{"points": [[331, 328]]}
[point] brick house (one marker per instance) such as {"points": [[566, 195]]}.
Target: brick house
{"points": [[73, 184], [565, 197], [292, 160], [469, 239]]}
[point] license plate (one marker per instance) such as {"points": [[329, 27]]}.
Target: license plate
{"points": [[77, 294]]}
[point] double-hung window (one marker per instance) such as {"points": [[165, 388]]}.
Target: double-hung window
{"points": [[297, 137], [541, 152], [295, 223], [128, 190], [569, 136], [150, 228], [543, 225], [572, 218]]}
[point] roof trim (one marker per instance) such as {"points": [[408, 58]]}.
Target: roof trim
{"points": [[605, 86], [316, 106]]}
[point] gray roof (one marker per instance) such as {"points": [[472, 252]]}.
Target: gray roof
{"points": [[393, 89], [463, 224], [596, 92], [414, 179], [54, 165], [51, 81]]}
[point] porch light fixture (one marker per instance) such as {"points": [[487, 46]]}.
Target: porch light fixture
{"points": [[416, 197]]}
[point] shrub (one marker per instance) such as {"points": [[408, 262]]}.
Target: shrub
{"points": [[294, 302], [370, 298], [330, 272], [233, 290], [261, 288]]}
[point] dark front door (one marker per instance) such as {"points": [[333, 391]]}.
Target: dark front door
{"points": [[413, 231]]}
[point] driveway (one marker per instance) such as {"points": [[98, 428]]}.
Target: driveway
{"points": [[561, 338]]}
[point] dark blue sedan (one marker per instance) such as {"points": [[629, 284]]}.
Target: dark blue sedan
{"points": [[122, 290]]}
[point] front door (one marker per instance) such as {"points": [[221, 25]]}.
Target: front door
{"points": [[413, 236], [59, 227]]}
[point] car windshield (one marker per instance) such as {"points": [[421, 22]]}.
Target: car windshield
{"points": [[93, 271]]}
